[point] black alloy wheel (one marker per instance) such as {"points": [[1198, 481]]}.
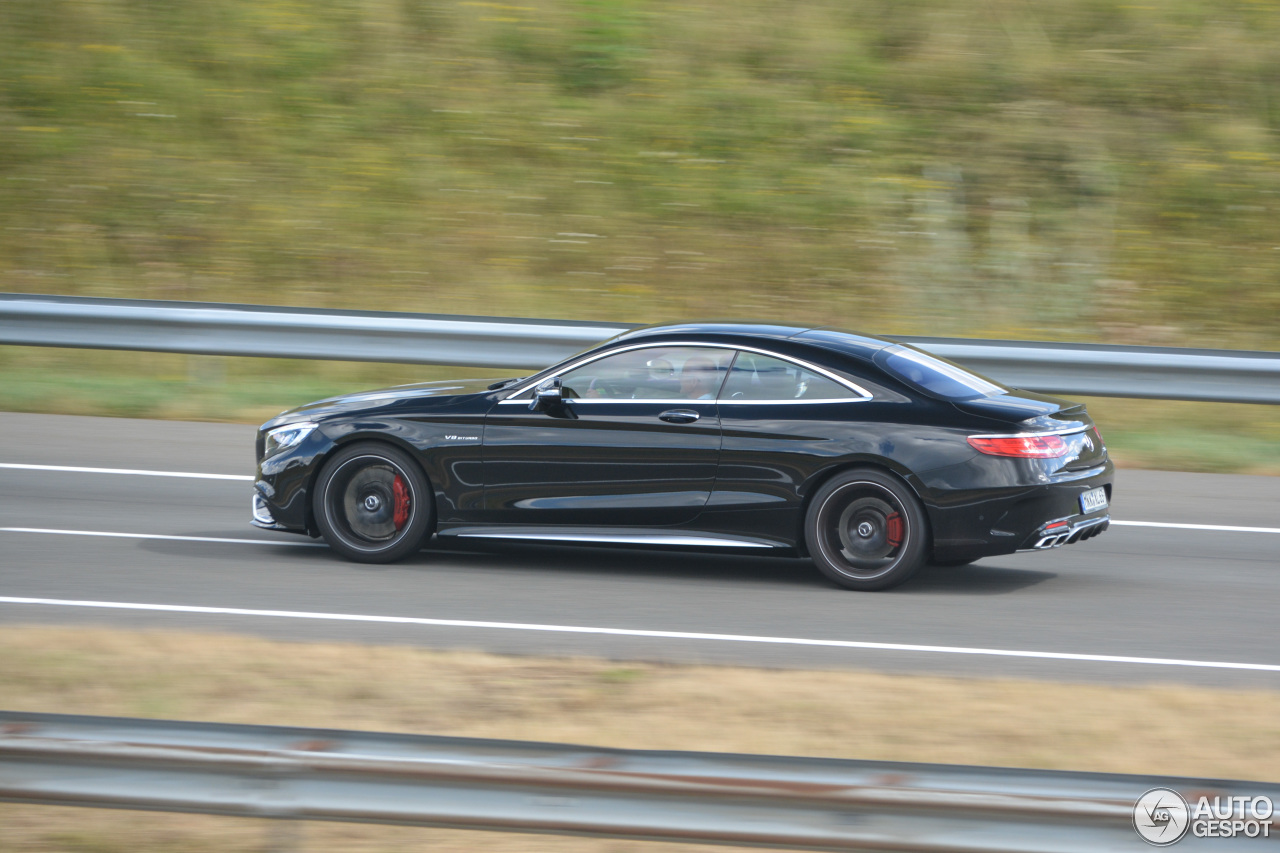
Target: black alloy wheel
{"points": [[372, 503], [866, 530]]}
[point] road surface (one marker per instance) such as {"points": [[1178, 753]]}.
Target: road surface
{"points": [[1139, 604]]}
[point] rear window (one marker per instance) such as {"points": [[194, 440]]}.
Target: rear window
{"points": [[934, 375]]}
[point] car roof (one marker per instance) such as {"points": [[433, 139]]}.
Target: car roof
{"points": [[725, 332]]}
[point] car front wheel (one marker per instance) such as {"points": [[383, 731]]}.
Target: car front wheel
{"points": [[866, 530], [372, 503]]}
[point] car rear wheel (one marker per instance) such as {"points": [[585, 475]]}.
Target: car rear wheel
{"points": [[866, 530], [372, 503]]}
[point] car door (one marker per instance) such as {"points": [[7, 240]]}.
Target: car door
{"points": [[782, 420], [635, 443]]}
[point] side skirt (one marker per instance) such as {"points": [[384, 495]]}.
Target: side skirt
{"points": [[644, 537]]}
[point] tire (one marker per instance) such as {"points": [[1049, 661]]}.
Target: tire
{"points": [[865, 530], [372, 503]]}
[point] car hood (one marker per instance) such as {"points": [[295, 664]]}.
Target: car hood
{"points": [[381, 399]]}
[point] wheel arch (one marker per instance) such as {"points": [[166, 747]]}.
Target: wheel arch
{"points": [[347, 440]]}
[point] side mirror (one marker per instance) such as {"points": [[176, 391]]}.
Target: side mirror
{"points": [[548, 396]]}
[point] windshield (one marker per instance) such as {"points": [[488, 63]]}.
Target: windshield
{"points": [[934, 375]]}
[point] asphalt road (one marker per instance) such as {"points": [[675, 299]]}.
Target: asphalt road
{"points": [[1137, 604]]}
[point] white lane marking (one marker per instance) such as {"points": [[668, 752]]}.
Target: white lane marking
{"points": [[250, 478], [157, 536], [132, 471], [273, 542], [630, 632], [1198, 526]]}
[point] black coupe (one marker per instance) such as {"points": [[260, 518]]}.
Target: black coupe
{"points": [[867, 455]]}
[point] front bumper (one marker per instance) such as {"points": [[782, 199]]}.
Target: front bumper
{"points": [[261, 514], [281, 490]]}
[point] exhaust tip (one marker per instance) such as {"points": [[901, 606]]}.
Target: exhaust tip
{"points": [[1076, 533]]}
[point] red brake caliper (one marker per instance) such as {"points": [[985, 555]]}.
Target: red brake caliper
{"points": [[401, 492], [893, 532]]}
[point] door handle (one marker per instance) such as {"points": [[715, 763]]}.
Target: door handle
{"points": [[679, 416]]}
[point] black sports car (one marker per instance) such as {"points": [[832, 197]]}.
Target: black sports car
{"points": [[867, 455]]}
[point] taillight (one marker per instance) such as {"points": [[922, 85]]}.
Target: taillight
{"points": [[1025, 446]]}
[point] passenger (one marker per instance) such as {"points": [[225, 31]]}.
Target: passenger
{"points": [[699, 379]]}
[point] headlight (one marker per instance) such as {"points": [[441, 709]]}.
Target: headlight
{"points": [[288, 435]]}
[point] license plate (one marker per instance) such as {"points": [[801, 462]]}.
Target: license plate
{"points": [[1093, 500]]}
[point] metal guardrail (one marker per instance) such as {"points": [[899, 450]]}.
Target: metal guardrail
{"points": [[797, 803], [264, 331], [1233, 376], [1163, 373]]}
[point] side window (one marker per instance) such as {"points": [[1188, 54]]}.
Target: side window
{"points": [[652, 373], [934, 375], [761, 377]]}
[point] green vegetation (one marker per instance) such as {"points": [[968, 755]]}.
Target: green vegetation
{"points": [[1065, 169], [166, 386], [1209, 437]]}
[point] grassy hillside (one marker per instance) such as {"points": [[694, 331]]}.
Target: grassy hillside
{"points": [[1050, 169]]}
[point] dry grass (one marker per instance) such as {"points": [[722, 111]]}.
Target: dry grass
{"points": [[1150, 729]]}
